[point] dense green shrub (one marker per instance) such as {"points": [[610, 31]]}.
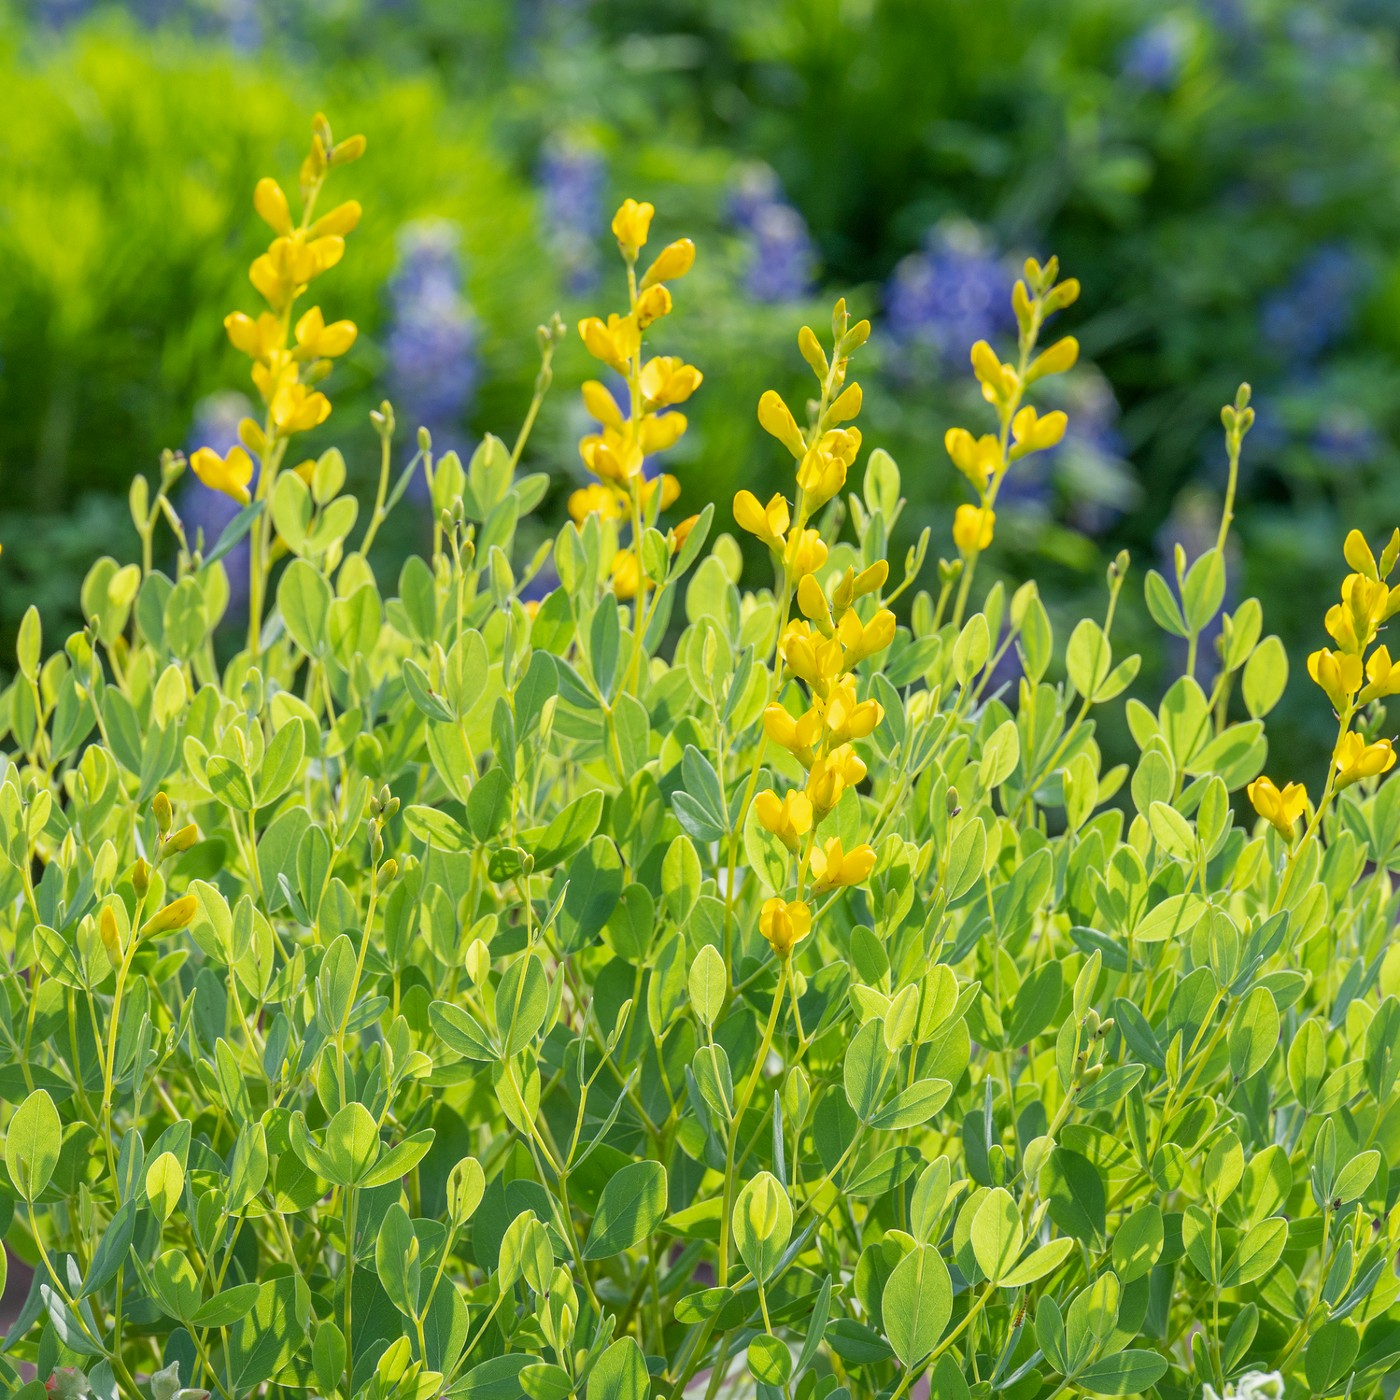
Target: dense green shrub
{"points": [[663, 986]]}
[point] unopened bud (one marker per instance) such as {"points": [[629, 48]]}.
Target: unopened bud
{"points": [[160, 805], [388, 872], [181, 840], [176, 915], [140, 877]]}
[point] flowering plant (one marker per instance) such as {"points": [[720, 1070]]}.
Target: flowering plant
{"points": [[666, 987]]}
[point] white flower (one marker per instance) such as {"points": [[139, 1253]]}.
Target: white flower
{"points": [[1253, 1385]]}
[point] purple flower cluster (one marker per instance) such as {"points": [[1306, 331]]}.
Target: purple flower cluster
{"points": [[434, 367], [781, 259], [951, 293], [1303, 320], [572, 179], [1155, 56]]}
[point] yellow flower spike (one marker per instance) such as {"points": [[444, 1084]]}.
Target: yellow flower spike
{"points": [[1358, 554], [834, 867], [806, 553], [1060, 357], [1356, 759], [1034, 433], [316, 340], [597, 499], [1339, 675], [812, 601], [845, 407], [862, 640], [784, 924], [652, 305], [973, 527], [613, 341], [979, 459], [631, 225], [1281, 809], [788, 818], [231, 474], [768, 523], [271, 204], [775, 417], [674, 260], [602, 406], [667, 380], [797, 736], [297, 409]]}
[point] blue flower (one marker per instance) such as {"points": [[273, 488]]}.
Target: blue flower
{"points": [[434, 367], [781, 258], [572, 180], [1155, 56], [1306, 318], [950, 294]]}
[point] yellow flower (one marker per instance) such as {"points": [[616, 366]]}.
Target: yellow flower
{"points": [[1280, 809], [1338, 673], [597, 499], [806, 553], [844, 715], [230, 474], [296, 408], [829, 777], [863, 639], [810, 656], [680, 532], [978, 459], [823, 469], [657, 432], [176, 915], [1356, 759], [788, 818], [999, 382], [833, 866], [626, 575], [1034, 433], [784, 924], [1365, 604], [316, 340], [667, 380], [1383, 674], [663, 489], [611, 456], [973, 527], [775, 418], [271, 204], [260, 339], [674, 260], [631, 225], [797, 736], [283, 272], [602, 406], [341, 220], [613, 341], [652, 305], [769, 523], [1064, 353]]}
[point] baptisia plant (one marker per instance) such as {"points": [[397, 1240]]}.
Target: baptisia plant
{"points": [[674, 987]]}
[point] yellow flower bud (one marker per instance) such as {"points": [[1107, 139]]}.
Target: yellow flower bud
{"points": [[338, 222], [846, 406], [1061, 356], [784, 924], [110, 934], [626, 575], [973, 527], [680, 532], [164, 814], [631, 225], [813, 604], [674, 260], [775, 417], [1358, 554], [998, 381], [176, 915], [602, 406], [230, 474], [180, 841], [652, 305], [271, 204]]}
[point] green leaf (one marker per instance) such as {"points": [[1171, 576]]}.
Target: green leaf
{"points": [[1075, 1190], [1137, 1242], [769, 1360], [632, 1205], [708, 984], [1265, 677], [1038, 1263], [352, 1145], [304, 600], [397, 1260], [1254, 1032], [916, 1304], [224, 1309], [522, 1000], [1131, 1372], [620, 1373], [762, 1224], [569, 832], [32, 1144], [997, 1233]]}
